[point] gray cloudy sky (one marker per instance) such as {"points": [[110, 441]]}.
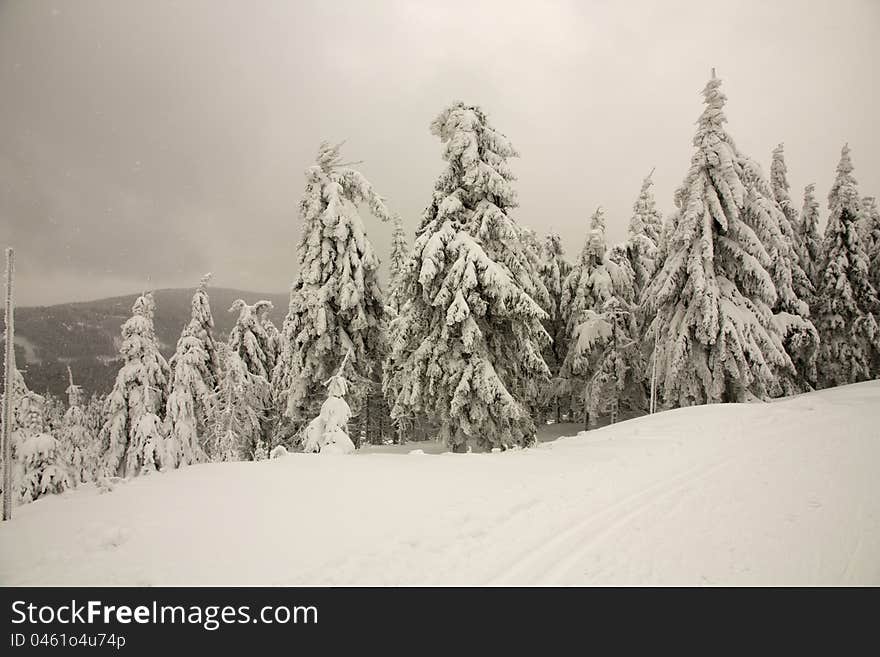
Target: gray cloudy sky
{"points": [[144, 143]]}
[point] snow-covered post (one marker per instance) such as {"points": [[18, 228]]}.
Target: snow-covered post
{"points": [[7, 390], [653, 407]]}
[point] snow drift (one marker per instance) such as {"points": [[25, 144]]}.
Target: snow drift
{"points": [[778, 493]]}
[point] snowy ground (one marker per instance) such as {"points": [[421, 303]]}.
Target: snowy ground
{"points": [[780, 493]]}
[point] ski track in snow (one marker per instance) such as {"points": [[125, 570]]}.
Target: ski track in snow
{"points": [[779, 493]]}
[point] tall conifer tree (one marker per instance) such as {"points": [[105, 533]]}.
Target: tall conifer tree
{"points": [[467, 348]]}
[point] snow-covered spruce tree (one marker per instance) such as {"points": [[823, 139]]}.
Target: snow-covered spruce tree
{"points": [[843, 179], [396, 263], [132, 433], [77, 439], [871, 239], [194, 379], [712, 301], [41, 468], [601, 332], [791, 312], [336, 303], [846, 300], [377, 411], [869, 226], [273, 337], [780, 188], [251, 355], [643, 235], [578, 299], [554, 270], [327, 432], [531, 274], [809, 241], [27, 428], [19, 403], [789, 227], [95, 419], [235, 433], [467, 348], [53, 412]]}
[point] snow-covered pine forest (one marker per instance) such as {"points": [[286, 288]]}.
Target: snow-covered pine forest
{"points": [[486, 331]]}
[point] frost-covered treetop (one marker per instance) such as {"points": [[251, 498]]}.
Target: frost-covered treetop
{"points": [[201, 308], [596, 243], [199, 327], [553, 245], [844, 192], [712, 120], [248, 338], [779, 177], [474, 195], [646, 219], [714, 147], [478, 177], [399, 251], [138, 334], [810, 211], [333, 189]]}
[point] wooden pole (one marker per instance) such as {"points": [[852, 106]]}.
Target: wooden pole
{"points": [[654, 374], [7, 391]]}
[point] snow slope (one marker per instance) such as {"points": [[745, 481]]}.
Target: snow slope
{"points": [[779, 493]]}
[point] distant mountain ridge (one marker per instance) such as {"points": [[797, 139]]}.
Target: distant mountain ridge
{"points": [[86, 334]]}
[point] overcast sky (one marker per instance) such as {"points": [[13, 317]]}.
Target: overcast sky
{"points": [[145, 142]]}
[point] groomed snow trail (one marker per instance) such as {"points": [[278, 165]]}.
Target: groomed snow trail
{"points": [[779, 493]]}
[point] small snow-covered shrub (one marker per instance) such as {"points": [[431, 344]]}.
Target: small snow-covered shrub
{"points": [[42, 470], [326, 433]]}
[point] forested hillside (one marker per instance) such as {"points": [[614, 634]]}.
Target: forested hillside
{"points": [[85, 335]]}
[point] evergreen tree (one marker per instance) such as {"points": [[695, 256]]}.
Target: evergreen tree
{"points": [[467, 348], [194, 372], [54, 409], [327, 432], [236, 430], [251, 356], [780, 188], [41, 466], [95, 419], [19, 402], [397, 263], [578, 299], [810, 244], [871, 239], [844, 181], [601, 332], [645, 229], [131, 434], [531, 274], [76, 437], [714, 324], [554, 270], [850, 348], [336, 303], [791, 312], [789, 256]]}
